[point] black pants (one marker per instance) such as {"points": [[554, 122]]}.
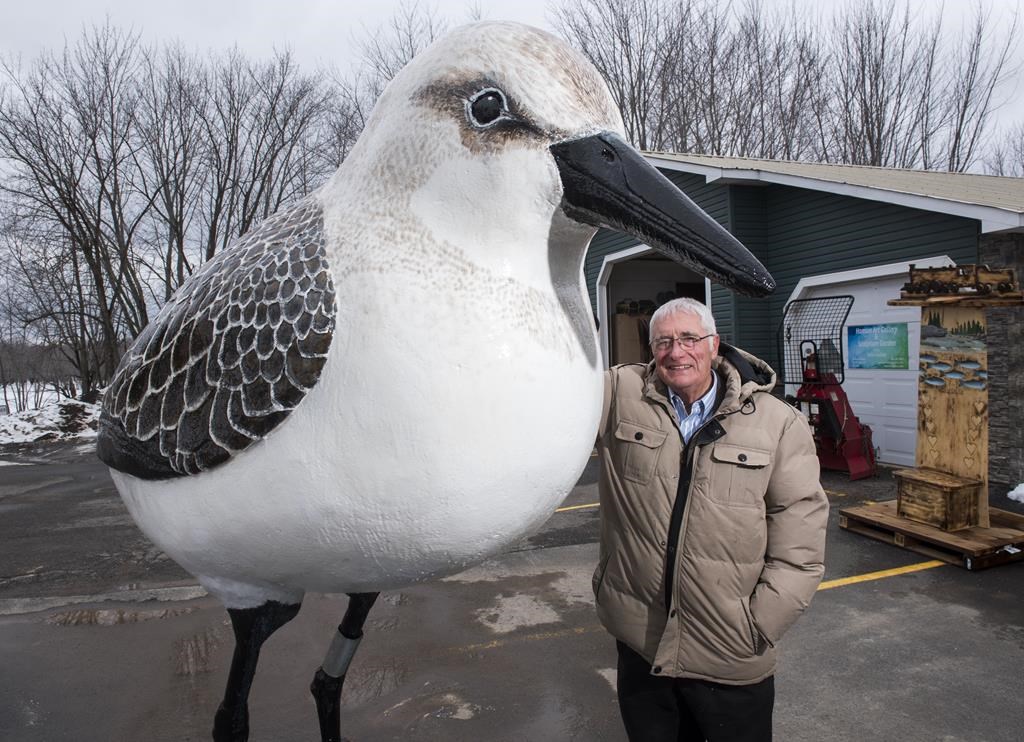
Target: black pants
{"points": [[663, 709]]}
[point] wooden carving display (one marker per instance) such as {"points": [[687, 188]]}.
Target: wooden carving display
{"points": [[952, 396], [934, 513], [952, 387]]}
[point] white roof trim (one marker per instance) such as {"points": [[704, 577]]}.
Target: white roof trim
{"points": [[992, 219]]}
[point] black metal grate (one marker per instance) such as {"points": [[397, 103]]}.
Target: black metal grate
{"points": [[813, 326]]}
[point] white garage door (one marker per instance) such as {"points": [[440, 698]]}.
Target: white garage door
{"points": [[885, 399]]}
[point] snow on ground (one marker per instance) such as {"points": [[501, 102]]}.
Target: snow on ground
{"points": [[59, 420]]}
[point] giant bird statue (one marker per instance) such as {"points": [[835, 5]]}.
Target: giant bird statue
{"points": [[398, 375]]}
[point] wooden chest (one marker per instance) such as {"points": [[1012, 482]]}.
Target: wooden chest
{"points": [[937, 498]]}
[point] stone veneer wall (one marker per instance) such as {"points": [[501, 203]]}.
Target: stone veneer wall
{"points": [[1006, 366]]}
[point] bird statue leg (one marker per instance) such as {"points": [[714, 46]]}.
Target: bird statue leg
{"points": [[326, 685], [252, 627]]}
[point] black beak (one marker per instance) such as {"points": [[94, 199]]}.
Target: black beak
{"points": [[607, 183]]}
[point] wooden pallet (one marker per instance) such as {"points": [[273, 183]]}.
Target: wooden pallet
{"points": [[972, 548]]}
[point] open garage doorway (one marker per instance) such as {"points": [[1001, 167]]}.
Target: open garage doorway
{"points": [[632, 283]]}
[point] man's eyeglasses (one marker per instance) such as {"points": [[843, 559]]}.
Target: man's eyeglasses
{"points": [[689, 342]]}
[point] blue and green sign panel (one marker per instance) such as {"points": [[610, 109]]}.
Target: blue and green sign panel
{"points": [[878, 346]]}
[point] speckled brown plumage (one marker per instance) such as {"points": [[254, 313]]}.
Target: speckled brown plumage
{"points": [[228, 357]]}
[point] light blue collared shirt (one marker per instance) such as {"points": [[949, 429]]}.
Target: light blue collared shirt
{"points": [[699, 413]]}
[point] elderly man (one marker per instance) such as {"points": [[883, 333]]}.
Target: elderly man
{"points": [[712, 532]]}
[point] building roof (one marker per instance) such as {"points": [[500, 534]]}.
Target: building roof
{"points": [[996, 201]]}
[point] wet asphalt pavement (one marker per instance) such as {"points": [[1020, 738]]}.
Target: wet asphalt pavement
{"points": [[103, 638]]}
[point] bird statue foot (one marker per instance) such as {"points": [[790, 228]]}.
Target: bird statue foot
{"points": [[326, 692], [231, 724], [252, 627], [330, 676]]}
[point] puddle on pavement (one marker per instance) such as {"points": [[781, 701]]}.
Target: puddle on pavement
{"points": [[454, 707], [515, 612], [611, 677], [388, 623], [194, 655], [530, 597], [366, 682], [7, 490], [439, 705], [114, 616], [108, 521]]}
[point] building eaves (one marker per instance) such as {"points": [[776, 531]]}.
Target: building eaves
{"points": [[996, 202]]}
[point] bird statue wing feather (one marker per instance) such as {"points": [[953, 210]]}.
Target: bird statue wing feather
{"points": [[229, 356]]}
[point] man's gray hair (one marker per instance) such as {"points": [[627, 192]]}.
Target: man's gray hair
{"points": [[685, 305]]}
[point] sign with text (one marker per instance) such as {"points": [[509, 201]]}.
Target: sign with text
{"points": [[878, 346]]}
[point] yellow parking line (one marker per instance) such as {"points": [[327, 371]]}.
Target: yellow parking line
{"points": [[567, 508], [880, 575]]}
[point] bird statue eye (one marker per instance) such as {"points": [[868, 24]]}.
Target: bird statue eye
{"points": [[487, 106]]}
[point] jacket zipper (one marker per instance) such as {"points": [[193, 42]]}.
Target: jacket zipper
{"points": [[681, 505], [679, 508], [675, 524]]}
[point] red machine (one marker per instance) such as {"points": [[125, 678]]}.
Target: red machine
{"points": [[811, 355], [843, 443]]}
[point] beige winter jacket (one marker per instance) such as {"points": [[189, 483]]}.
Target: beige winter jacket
{"points": [[742, 556]]}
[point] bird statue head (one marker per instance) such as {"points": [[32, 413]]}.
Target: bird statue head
{"points": [[505, 133]]}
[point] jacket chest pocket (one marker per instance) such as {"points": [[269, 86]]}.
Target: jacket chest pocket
{"points": [[739, 474], [639, 449]]}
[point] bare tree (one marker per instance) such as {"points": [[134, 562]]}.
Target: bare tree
{"points": [[173, 89], [882, 86], [977, 69], [905, 96], [262, 124], [49, 299], [386, 51], [125, 168], [7, 340], [701, 76], [1007, 155], [785, 67], [383, 52], [878, 70], [68, 132], [629, 42]]}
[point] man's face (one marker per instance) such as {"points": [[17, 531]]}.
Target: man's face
{"points": [[686, 371]]}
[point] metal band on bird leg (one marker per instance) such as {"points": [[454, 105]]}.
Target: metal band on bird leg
{"points": [[340, 655]]}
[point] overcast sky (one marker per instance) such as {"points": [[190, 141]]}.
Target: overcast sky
{"points": [[316, 30], [325, 31]]}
